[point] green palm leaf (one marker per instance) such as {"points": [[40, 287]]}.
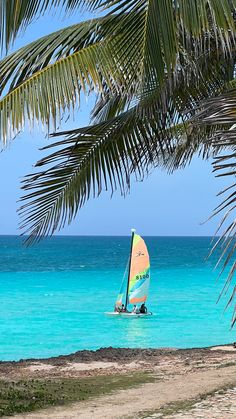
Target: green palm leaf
{"points": [[107, 153], [16, 15], [127, 52], [213, 113], [226, 166], [103, 156], [28, 60], [56, 87], [96, 157], [86, 58]]}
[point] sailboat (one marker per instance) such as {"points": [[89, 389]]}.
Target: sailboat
{"points": [[134, 288]]}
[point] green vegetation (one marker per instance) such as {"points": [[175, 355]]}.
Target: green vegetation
{"points": [[28, 395]]}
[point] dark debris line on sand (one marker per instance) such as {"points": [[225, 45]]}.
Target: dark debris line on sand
{"points": [[111, 354]]}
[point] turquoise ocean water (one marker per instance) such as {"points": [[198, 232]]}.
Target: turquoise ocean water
{"points": [[54, 295]]}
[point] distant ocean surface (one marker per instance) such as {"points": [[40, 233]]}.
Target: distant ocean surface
{"points": [[53, 296]]}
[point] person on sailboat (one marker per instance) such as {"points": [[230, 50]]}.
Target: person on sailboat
{"points": [[135, 309], [143, 309], [135, 285], [117, 309]]}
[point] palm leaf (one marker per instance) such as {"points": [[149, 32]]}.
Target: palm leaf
{"points": [[36, 71], [28, 60], [116, 53], [225, 166], [96, 157], [55, 88], [102, 156], [16, 15], [167, 21], [118, 145], [213, 112], [44, 89]]}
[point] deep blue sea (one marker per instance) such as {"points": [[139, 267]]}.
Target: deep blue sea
{"points": [[53, 296]]}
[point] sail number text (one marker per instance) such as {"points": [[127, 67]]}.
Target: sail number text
{"points": [[145, 276]]}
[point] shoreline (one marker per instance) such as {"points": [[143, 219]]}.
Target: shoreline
{"points": [[87, 355], [91, 383]]}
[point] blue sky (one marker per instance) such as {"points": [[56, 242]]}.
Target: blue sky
{"points": [[161, 205]]}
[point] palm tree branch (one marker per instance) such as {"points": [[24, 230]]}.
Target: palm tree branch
{"points": [[16, 15], [57, 86], [21, 64], [87, 160], [92, 158], [214, 112]]}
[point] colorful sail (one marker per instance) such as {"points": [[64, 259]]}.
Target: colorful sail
{"points": [[121, 296], [139, 278]]}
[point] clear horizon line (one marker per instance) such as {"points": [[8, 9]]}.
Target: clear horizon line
{"points": [[109, 235]]}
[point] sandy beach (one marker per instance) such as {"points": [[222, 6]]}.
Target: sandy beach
{"points": [[176, 381]]}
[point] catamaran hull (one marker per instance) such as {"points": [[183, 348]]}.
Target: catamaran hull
{"points": [[128, 315]]}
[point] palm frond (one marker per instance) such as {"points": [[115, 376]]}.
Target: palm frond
{"points": [[56, 87], [219, 109], [116, 53], [28, 60], [135, 29], [225, 165], [90, 60], [109, 106], [169, 29], [167, 21], [212, 114], [16, 15], [139, 138], [203, 82], [102, 156]]}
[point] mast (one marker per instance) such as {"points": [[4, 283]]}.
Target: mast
{"points": [[131, 247]]}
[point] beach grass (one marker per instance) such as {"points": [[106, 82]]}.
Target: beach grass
{"points": [[21, 396]]}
